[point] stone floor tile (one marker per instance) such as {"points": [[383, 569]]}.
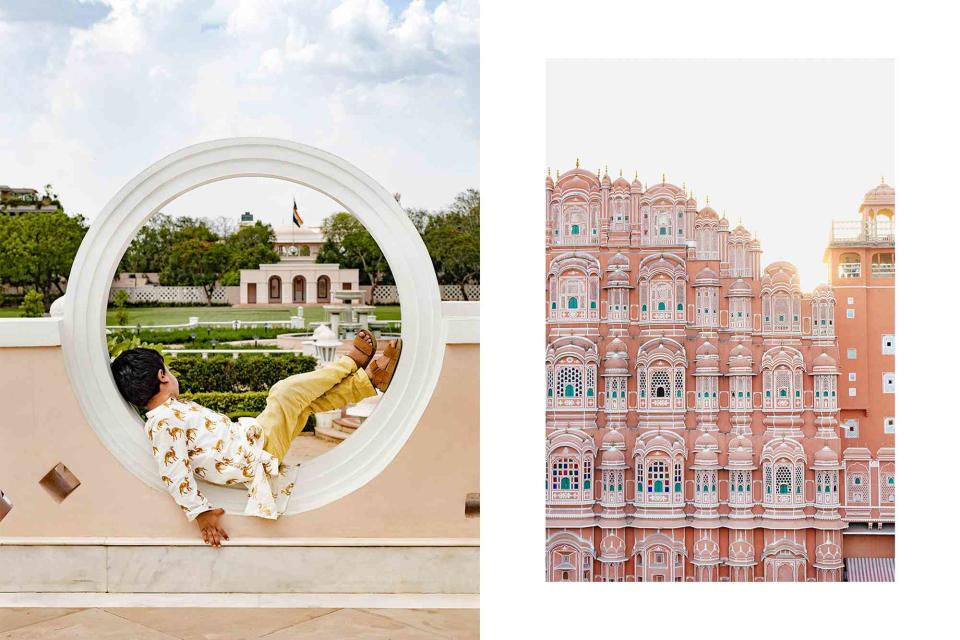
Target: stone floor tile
{"points": [[456, 624], [16, 617], [89, 624], [351, 624], [218, 624]]}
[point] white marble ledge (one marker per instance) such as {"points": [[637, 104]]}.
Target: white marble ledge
{"points": [[461, 322], [30, 332], [238, 542], [245, 600]]}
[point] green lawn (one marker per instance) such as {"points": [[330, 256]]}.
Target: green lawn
{"points": [[179, 315]]}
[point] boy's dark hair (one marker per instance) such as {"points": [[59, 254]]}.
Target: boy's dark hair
{"points": [[135, 372]]}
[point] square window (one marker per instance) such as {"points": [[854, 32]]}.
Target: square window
{"points": [[851, 428], [850, 300], [851, 354], [851, 313], [852, 377], [886, 345], [888, 386], [888, 424], [852, 391]]}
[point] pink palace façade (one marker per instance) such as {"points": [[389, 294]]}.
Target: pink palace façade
{"points": [[697, 427]]}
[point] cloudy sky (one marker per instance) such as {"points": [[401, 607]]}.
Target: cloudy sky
{"points": [[96, 90], [784, 146]]}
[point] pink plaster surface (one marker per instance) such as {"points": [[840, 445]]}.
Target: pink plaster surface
{"points": [[43, 425]]}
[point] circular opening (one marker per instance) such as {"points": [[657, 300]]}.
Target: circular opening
{"points": [[361, 457], [282, 283]]}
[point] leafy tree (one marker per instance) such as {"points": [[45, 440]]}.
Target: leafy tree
{"points": [[196, 259], [347, 242], [38, 250], [248, 248], [32, 305], [453, 241], [150, 249]]}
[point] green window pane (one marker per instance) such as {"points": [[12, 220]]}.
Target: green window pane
{"points": [[568, 391]]}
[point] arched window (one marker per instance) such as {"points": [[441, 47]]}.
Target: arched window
{"points": [[849, 266], [657, 479], [274, 289], [299, 288], [565, 474], [573, 291], [323, 289]]}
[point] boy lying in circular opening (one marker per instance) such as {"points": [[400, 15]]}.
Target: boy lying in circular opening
{"points": [[190, 440]]}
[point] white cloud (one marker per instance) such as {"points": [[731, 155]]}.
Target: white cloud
{"points": [[395, 92]]}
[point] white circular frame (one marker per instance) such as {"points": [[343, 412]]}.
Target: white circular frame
{"points": [[367, 452]]}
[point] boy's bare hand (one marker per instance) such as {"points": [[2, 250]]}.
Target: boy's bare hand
{"points": [[210, 529]]}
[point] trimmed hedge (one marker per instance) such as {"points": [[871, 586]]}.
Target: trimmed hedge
{"points": [[206, 335], [236, 405], [226, 374]]}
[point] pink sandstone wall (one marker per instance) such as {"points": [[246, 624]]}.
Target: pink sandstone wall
{"points": [[43, 425]]}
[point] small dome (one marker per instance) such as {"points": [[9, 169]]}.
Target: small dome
{"points": [[708, 212], [740, 286], [707, 349], [824, 360], [621, 183], [705, 441], [613, 438], [636, 183], [549, 182], [611, 457], [707, 275], [711, 364], [620, 262], [618, 277], [616, 346], [825, 456], [740, 351], [613, 365], [781, 276], [741, 455], [880, 194], [705, 458], [606, 180]]}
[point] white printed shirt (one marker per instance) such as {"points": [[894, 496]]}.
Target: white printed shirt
{"points": [[190, 441]]}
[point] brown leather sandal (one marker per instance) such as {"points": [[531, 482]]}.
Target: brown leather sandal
{"points": [[367, 349], [384, 367]]}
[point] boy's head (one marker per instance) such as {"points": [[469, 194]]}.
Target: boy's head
{"points": [[141, 375]]}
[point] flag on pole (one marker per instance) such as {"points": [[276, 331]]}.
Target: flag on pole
{"points": [[297, 220]]}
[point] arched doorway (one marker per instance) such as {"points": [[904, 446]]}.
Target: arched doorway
{"points": [[275, 289], [299, 289], [323, 289]]}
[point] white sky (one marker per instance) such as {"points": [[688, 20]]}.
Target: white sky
{"points": [[97, 90], [786, 146]]}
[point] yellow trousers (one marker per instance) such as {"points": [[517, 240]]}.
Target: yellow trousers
{"points": [[292, 400]]}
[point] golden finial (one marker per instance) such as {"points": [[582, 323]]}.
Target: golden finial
{"points": [[684, 187], [882, 181], [578, 163], [598, 174], [663, 178], [558, 175], [548, 172], [621, 173], [708, 201], [636, 174]]}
